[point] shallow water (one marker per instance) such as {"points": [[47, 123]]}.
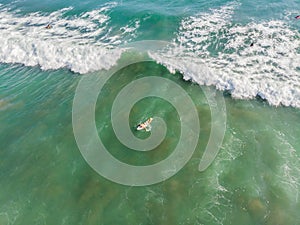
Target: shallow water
{"points": [[45, 180], [254, 179]]}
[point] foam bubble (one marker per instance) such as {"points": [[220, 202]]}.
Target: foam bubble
{"points": [[212, 50], [209, 49], [83, 43], [288, 169]]}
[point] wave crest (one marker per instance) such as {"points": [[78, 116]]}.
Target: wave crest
{"points": [[83, 43], [249, 60]]}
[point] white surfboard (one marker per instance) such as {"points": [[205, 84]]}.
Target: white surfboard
{"points": [[145, 125]]}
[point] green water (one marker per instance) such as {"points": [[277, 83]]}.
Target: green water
{"points": [[45, 180]]}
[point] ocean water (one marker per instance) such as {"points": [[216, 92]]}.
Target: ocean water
{"points": [[202, 46]]}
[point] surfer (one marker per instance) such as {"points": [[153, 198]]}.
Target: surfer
{"points": [[146, 125], [297, 17], [48, 26]]}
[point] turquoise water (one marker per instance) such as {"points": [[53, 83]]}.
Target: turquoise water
{"points": [[254, 179]]}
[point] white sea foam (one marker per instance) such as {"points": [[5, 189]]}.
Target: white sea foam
{"points": [[210, 49], [83, 43], [288, 168]]}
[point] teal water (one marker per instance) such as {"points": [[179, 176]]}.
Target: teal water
{"points": [[44, 179]]}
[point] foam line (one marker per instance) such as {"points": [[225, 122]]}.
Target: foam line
{"points": [[83, 43], [212, 50]]}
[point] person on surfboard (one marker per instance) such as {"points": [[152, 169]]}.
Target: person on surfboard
{"points": [[48, 26], [146, 125]]}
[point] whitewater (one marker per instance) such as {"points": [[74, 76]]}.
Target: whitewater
{"points": [[249, 60]]}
